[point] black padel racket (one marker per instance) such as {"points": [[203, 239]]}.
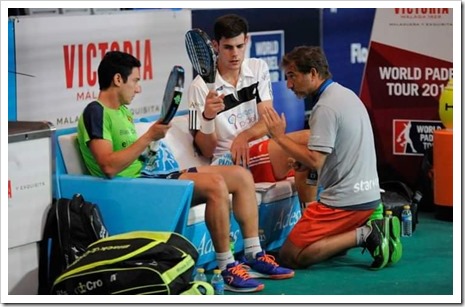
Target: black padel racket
{"points": [[173, 94], [202, 55]]}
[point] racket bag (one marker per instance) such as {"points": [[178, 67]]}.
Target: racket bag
{"points": [[131, 263]]}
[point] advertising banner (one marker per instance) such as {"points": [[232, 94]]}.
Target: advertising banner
{"points": [[413, 137], [409, 64], [59, 56], [268, 46]]}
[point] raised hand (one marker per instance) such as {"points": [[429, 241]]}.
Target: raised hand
{"points": [[213, 105], [275, 124]]}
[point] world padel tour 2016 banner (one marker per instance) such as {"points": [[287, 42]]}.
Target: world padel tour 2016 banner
{"points": [[409, 64]]}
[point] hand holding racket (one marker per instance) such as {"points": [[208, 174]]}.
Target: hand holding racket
{"points": [[173, 94], [202, 55], [213, 104], [171, 100]]}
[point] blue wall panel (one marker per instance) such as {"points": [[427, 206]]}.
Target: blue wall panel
{"points": [[346, 37], [301, 26], [11, 72]]}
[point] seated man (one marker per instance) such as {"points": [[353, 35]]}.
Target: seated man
{"points": [[110, 147], [227, 122]]}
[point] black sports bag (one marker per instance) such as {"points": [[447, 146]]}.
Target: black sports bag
{"points": [[132, 263]]}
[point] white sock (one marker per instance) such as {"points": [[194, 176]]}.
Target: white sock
{"points": [[362, 234], [222, 259], [251, 247]]}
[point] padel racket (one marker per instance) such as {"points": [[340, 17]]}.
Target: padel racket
{"points": [[202, 55], [173, 94]]}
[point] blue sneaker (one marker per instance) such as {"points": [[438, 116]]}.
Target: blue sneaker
{"points": [[265, 266], [236, 279]]}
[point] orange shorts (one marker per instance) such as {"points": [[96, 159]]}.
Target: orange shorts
{"points": [[260, 164], [319, 221]]}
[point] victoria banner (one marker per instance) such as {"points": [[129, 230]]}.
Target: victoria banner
{"points": [[58, 57], [409, 63]]}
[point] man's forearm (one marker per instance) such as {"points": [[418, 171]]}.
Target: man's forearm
{"points": [[299, 152], [256, 131], [113, 162], [206, 143]]}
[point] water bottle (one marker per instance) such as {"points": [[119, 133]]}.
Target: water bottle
{"points": [[200, 275], [388, 215], [387, 221], [406, 222], [217, 282], [232, 242]]}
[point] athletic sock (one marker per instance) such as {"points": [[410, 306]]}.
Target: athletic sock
{"points": [[222, 259], [251, 247], [362, 234]]}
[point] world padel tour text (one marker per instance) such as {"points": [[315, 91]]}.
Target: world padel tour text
{"points": [[427, 80]]}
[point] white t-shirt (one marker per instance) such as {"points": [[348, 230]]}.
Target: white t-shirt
{"points": [[241, 112]]}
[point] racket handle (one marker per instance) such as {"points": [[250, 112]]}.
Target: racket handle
{"points": [[154, 145], [211, 86]]}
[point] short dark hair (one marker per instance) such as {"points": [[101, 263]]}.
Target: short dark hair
{"points": [[229, 26], [115, 62], [307, 57]]}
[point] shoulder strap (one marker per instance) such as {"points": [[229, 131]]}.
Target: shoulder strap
{"points": [[49, 238], [93, 222], [64, 228], [399, 187]]}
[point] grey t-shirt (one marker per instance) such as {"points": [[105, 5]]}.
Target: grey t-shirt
{"points": [[340, 126]]}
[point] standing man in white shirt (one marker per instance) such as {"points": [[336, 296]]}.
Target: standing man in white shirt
{"points": [[227, 122]]}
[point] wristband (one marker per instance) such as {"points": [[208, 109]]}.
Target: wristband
{"points": [[207, 126], [206, 118]]}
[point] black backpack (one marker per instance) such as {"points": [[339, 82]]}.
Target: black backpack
{"points": [[71, 225]]}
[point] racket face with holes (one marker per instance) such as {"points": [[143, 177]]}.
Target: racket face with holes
{"points": [[173, 94], [201, 54]]}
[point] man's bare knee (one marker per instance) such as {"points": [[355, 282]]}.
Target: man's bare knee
{"points": [[288, 255]]}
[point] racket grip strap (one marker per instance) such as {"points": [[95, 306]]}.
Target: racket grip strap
{"points": [[207, 126]]}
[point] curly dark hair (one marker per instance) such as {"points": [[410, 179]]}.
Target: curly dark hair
{"points": [[307, 57]]}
